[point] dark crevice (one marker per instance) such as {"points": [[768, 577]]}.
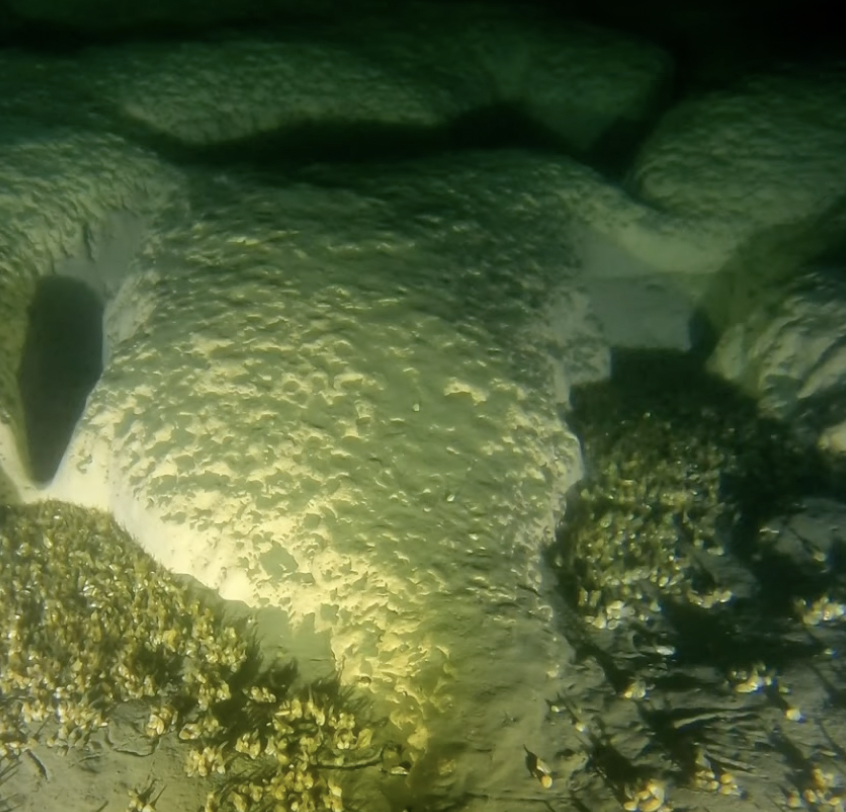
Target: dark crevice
{"points": [[61, 362]]}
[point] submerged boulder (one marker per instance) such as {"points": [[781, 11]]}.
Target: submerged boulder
{"points": [[789, 354], [341, 403]]}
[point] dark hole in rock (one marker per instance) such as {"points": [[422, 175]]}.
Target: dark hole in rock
{"points": [[62, 360]]}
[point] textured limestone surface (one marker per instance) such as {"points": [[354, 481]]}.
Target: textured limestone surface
{"points": [[310, 93], [339, 401], [425, 70], [55, 182], [365, 83], [335, 389], [790, 355], [765, 152], [757, 169]]}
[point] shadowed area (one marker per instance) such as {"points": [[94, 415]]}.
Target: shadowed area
{"points": [[61, 362]]}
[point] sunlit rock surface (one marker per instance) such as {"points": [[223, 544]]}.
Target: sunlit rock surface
{"points": [[341, 403], [336, 395]]}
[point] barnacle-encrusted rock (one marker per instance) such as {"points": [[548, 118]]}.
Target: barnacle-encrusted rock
{"points": [[672, 470]]}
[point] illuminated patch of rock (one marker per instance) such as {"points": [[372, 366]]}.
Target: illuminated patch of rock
{"points": [[330, 396]]}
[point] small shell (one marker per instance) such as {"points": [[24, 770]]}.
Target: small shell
{"points": [[539, 769], [189, 732], [636, 690], [656, 789], [651, 804], [794, 801], [155, 726], [749, 686]]}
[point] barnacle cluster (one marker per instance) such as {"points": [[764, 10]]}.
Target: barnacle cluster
{"points": [[820, 611], [751, 679], [638, 516], [272, 753], [646, 796], [819, 790], [711, 776], [686, 593], [676, 464], [88, 621]]}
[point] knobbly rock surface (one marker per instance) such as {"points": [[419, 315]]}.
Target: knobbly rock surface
{"points": [[789, 354], [325, 402], [336, 384]]}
